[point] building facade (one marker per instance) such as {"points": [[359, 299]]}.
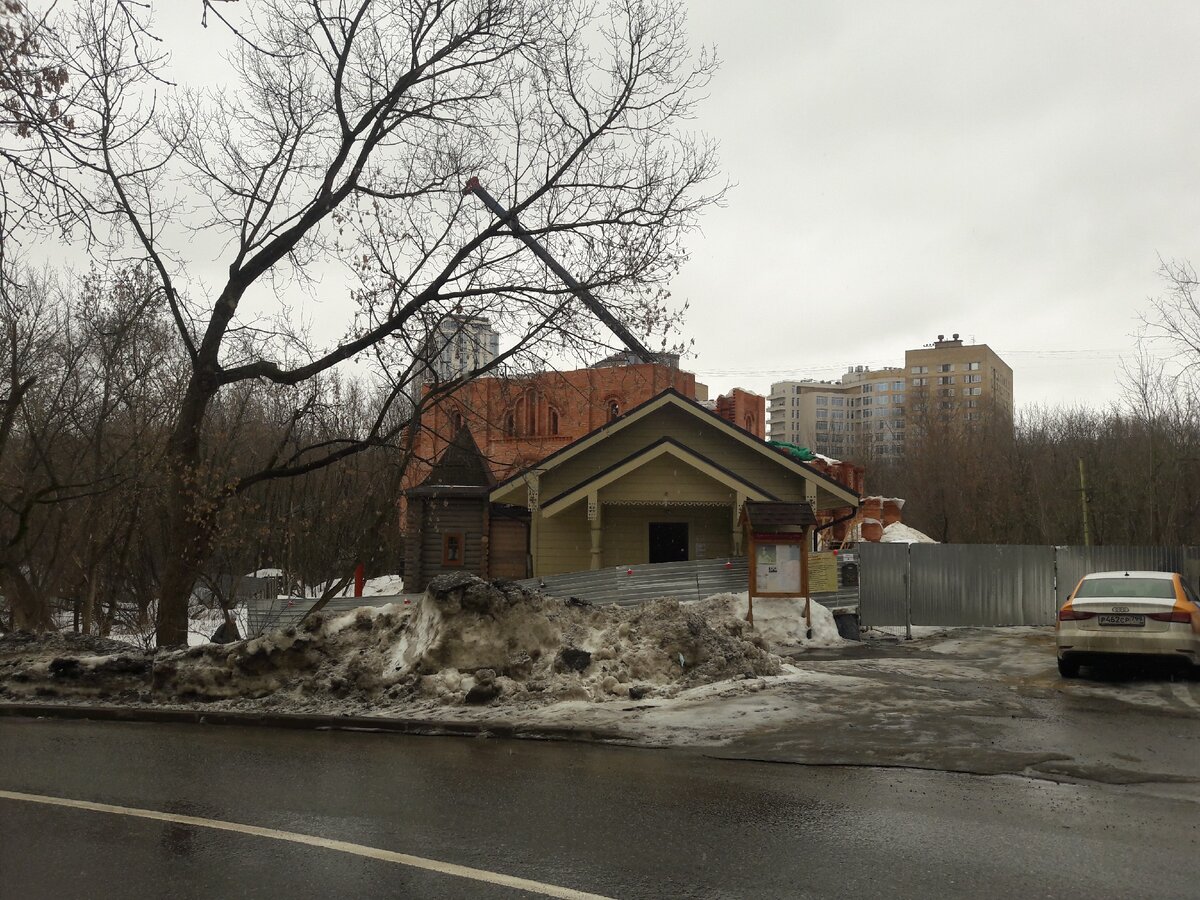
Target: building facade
{"points": [[865, 409], [517, 421], [955, 383], [869, 413], [665, 482], [460, 344]]}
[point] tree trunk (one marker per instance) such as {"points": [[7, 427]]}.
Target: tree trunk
{"points": [[28, 614], [190, 521], [89, 605]]}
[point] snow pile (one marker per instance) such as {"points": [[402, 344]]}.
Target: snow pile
{"points": [[383, 586], [899, 533], [465, 642], [780, 620], [333, 657], [473, 642], [36, 667]]}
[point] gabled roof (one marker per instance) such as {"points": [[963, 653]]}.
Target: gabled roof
{"points": [[665, 446], [671, 397]]}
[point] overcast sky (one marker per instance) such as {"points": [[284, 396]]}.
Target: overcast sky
{"points": [[1009, 171]]}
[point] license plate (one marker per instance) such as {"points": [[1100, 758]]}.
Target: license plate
{"points": [[1136, 621]]}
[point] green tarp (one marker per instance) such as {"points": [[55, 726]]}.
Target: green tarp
{"points": [[801, 453]]}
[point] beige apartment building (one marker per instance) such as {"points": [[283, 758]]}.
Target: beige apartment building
{"points": [[957, 382], [840, 418], [867, 413]]}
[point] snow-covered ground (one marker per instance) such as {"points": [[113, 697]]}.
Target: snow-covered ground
{"points": [[380, 586], [203, 624]]}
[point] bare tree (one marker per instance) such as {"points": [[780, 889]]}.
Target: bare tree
{"points": [[82, 438], [330, 161]]}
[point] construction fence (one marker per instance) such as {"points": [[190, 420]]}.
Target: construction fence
{"points": [[622, 585], [991, 584]]}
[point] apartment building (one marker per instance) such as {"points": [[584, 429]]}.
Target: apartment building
{"points": [[867, 413], [953, 382], [840, 418], [458, 345]]}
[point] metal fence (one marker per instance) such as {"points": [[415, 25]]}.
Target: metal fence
{"points": [[623, 585], [264, 614], [991, 584], [629, 585], [691, 580]]}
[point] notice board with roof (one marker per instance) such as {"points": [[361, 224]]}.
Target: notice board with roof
{"points": [[778, 536]]}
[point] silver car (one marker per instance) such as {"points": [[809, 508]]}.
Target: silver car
{"points": [[1113, 615]]}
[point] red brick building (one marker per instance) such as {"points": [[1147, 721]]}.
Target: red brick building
{"points": [[745, 410], [517, 421]]}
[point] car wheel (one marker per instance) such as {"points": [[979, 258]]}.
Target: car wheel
{"points": [[1068, 668]]}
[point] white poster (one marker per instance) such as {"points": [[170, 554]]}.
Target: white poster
{"points": [[777, 568]]}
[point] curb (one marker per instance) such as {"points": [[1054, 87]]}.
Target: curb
{"points": [[307, 722]]}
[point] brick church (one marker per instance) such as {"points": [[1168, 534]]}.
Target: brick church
{"points": [[517, 421]]}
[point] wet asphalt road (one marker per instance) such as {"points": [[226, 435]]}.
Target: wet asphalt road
{"points": [[617, 822]]}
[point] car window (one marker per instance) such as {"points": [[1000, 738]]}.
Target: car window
{"points": [[1150, 588]]}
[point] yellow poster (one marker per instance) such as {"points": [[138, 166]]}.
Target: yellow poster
{"points": [[822, 572]]}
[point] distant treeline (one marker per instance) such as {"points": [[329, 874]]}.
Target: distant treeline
{"points": [[1140, 480]]}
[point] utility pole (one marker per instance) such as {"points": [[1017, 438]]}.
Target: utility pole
{"points": [[1083, 496]]}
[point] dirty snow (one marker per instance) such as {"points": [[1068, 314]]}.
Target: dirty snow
{"points": [[466, 642], [780, 620]]}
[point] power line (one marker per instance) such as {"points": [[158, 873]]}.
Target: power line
{"points": [[1074, 355]]}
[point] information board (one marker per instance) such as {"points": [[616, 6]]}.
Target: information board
{"points": [[822, 572], [777, 568]]}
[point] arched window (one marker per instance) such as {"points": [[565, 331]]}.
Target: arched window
{"points": [[750, 423], [613, 407], [530, 410], [456, 421], [553, 420], [510, 425]]}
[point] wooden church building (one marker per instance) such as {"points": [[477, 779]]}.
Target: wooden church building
{"points": [[667, 481]]}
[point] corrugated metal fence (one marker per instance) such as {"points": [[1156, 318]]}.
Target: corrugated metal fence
{"points": [[623, 585], [263, 614], [629, 585], [991, 584]]}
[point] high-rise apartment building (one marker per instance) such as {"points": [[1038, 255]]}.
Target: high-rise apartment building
{"points": [[841, 418], [868, 413], [460, 344], [953, 382]]}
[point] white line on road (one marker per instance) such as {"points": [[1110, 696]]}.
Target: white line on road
{"points": [[404, 859]]}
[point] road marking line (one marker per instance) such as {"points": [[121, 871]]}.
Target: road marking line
{"points": [[1181, 691], [404, 859]]}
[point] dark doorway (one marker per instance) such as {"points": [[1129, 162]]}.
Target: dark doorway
{"points": [[668, 542]]}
